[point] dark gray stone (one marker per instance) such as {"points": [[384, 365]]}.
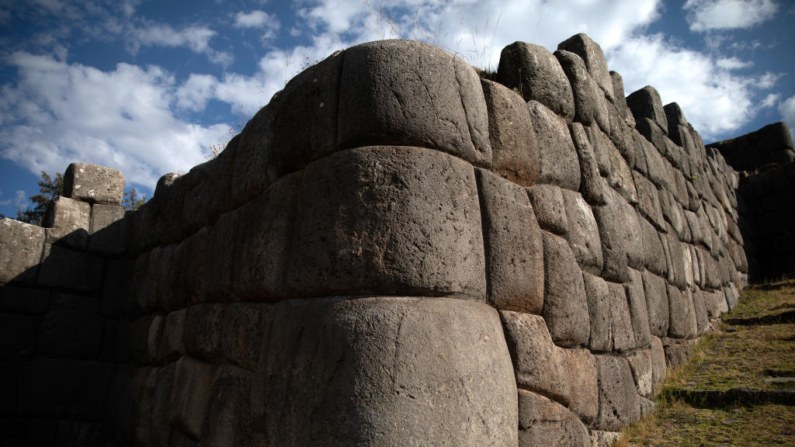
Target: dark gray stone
{"points": [[71, 328], [544, 422], [619, 232], [645, 103], [700, 307], [640, 363], [430, 367], [107, 232], [540, 365], [657, 365], [565, 304], [620, 100], [559, 165], [117, 300], [161, 406], [245, 324], [653, 252], [594, 58], [621, 135], [93, 184], [621, 177], [589, 100], [597, 139], [21, 247], [228, 419], [648, 200], [204, 329], [172, 341], [683, 322], [583, 234], [550, 210], [388, 220], [538, 75], [513, 245], [21, 300], [252, 171], [618, 402], [598, 296], [68, 269], [654, 288], [67, 223], [17, 335], [515, 151], [677, 352], [408, 93], [590, 183], [581, 368], [638, 311], [622, 337], [676, 259], [190, 394]]}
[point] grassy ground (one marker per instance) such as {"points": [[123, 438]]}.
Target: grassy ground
{"points": [[736, 356]]}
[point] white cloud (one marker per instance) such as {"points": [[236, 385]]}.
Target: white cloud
{"points": [[705, 15], [256, 19], [768, 80], [732, 63], [58, 113], [196, 38], [770, 100], [787, 110]]}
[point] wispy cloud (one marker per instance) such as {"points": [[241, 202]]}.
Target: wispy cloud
{"points": [[256, 19], [705, 15]]}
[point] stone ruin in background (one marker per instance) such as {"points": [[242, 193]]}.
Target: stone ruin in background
{"points": [[394, 252]]}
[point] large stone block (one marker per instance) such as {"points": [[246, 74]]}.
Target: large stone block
{"points": [[538, 75], [700, 307], [161, 406], [597, 139], [590, 182], [545, 422], [676, 258], [190, 394], [653, 253], [172, 341], [68, 269], [677, 351], [71, 328], [589, 101], [515, 151], [264, 231], [245, 325], [388, 220], [619, 405], [658, 368], [21, 247], [107, 232], [619, 232], [682, 314], [646, 103], [621, 175], [228, 419], [638, 311], [648, 200], [581, 368], [594, 58], [583, 234], [67, 222], [408, 93], [550, 210], [540, 365], [565, 303], [621, 334], [17, 335], [656, 292], [204, 330], [620, 100], [93, 184], [513, 245], [640, 363], [559, 164], [433, 371], [20, 300], [598, 296], [253, 147]]}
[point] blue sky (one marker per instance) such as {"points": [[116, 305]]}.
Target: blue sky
{"points": [[148, 86]]}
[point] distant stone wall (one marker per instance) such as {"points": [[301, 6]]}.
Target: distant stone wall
{"points": [[394, 251], [766, 191]]}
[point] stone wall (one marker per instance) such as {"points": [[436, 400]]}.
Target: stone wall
{"points": [[767, 210], [394, 251]]}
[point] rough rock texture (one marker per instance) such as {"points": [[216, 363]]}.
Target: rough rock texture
{"points": [[559, 164], [583, 234], [618, 402], [68, 222], [589, 101], [550, 210], [646, 103], [544, 422], [21, 247], [93, 184], [565, 304], [595, 61]]}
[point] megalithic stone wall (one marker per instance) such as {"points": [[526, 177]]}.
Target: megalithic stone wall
{"points": [[394, 251]]}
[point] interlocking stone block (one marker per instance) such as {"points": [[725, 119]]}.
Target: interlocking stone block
{"points": [[69, 269], [550, 210], [245, 325], [590, 182], [683, 323], [620, 100], [565, 303], [645, 103], [656, 292], [21, 300], [107, 232], [619, 405], [67, 222], [559, 163], [581, 367], [545, 422], [583, 234], [93, 184], [190, 394], [640, 363], [638, 311], [594, 58], [21, 247], [71, 328], [204, 330], [590, 104]]}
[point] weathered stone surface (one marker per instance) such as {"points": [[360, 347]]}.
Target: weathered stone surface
{"points": [[67, 223], [640, 363], [386, 99], [433, 371], [676, 258], [594, 58], [204, 329], [645, 103], [107, 232], [17, 335], [388, 221], [161, 405], [21, 247], [253, 148], [513, 245], [540, 365], [172, 341], [658, 167], [622, 136], [264, 229], [622, 337], [653, 254], [639, 314], [219, 260], [190, 394], [590, 183], [559, 165], [583, 234], [677, 351], [565, 304], [68, 269], [598, 296], [515, 152], [618, 402], [227, 420], [600, 438], [655, 289], [63, 389], [93, 184], [648, 200], [244, 327], [658, 368], [549, 208], [597, 139], [589, 101], [71, 328], [545, 422], [538, 76], [682, 314], [621, 177], [700, 307], [581, 367], [117, 299], [306, 124], [619, 232], [620, 100], [20, 300], [732, 295]]}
